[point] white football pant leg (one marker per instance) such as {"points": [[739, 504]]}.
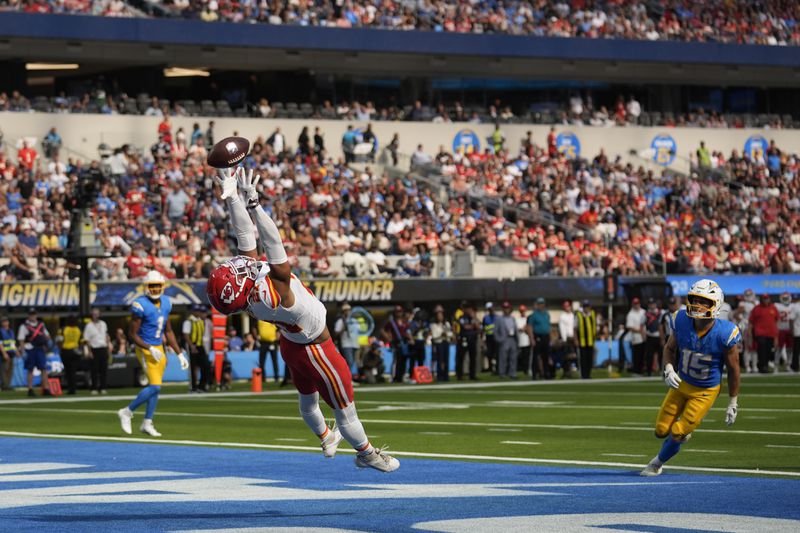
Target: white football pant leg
{"points": [[351, 428], [312, 414]]}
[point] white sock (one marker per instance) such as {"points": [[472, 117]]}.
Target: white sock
{"points": [[312, 414], [351, 428], [750, 359]]}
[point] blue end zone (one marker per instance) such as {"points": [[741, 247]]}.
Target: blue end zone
{"points": [[189, 488]]}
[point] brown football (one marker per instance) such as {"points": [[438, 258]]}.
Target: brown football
{"points": [[228, 152]]}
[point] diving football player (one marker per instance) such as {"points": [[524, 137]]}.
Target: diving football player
{"points": [[270, 292], [701, 346], [149, 325]]}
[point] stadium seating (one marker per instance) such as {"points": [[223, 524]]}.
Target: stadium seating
{"points": [[741, 21], [450, 112]]}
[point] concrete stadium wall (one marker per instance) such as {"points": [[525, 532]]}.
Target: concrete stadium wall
{"points": [[82, 133]]}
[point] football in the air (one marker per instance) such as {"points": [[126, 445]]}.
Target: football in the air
{"points": [[228, 152]]}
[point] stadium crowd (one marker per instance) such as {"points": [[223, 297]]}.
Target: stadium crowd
{"points": [[160, 210], [740, 21], [732, 215], [577, 110]]}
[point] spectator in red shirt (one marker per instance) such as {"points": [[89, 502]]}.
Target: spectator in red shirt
{"points": [[26, 156], [165, 130], [136, 263], [552, 150], [764, 323]]}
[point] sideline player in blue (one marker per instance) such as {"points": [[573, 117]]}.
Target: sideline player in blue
{"points": [[701, 346], [149, 325]]}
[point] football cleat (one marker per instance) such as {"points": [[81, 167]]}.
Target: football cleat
{"points": [[148, 428], [125, 416], [331, 442], [377, 459], [653, 468]]}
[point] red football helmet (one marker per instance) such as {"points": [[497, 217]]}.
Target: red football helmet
{"points": [[230, 284]]}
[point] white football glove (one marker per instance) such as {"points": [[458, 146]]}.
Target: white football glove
{"points": [[184, 360], [247, 183], [227, 182], [730, 413], [156, 353], [671, 377]]}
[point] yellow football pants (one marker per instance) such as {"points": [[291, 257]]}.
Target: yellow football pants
{"points": [[152, 368], [683, 409]]}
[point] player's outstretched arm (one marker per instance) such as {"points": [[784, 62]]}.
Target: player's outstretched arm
{"points": [[671, 377], [268, 232], [733, 384], [242, 225]]}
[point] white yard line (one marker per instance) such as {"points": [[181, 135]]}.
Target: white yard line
{"points": [[524, 442], [782, 446], [505, 430], [622, 455], [696, 450], [416, 422], [435, 433], [292, 440], [526, 460]]}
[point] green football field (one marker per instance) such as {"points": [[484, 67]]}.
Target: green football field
{"points": [[601, 423]]}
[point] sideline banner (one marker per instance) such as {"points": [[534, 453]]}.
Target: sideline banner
{"points": [[64, 295], [737, 284]]}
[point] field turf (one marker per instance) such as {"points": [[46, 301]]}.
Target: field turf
{"points": [[602, 423]]}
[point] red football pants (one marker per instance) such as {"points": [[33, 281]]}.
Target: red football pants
{"points": [[319, 368]]}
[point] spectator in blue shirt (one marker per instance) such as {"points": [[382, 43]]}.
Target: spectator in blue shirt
{"points": [[235, 342]]}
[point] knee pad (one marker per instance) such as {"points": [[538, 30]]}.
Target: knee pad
{"points": [[678, 434], [346, 416], [309, 403]]}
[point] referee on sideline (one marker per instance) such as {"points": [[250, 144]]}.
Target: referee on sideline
{"points": [[585, 336], [194, 329]]}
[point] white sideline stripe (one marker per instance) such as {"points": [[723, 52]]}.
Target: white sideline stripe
{"points": [[529, 460], [417, 388], [615, 393], [417, 422], [435, 433], [760, 417], [90, 475], [622, 455], [780, 446], [504, 429], [695, 450], [519, 442]]}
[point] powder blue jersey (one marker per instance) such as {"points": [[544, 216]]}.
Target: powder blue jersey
{"points": [[154, 317], [701, 359]]}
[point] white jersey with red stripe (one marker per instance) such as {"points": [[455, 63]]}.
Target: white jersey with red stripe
{"points": [[302, 323], [784, 311]]}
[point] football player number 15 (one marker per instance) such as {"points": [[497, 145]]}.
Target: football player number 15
{"points": [[696, 364]]}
